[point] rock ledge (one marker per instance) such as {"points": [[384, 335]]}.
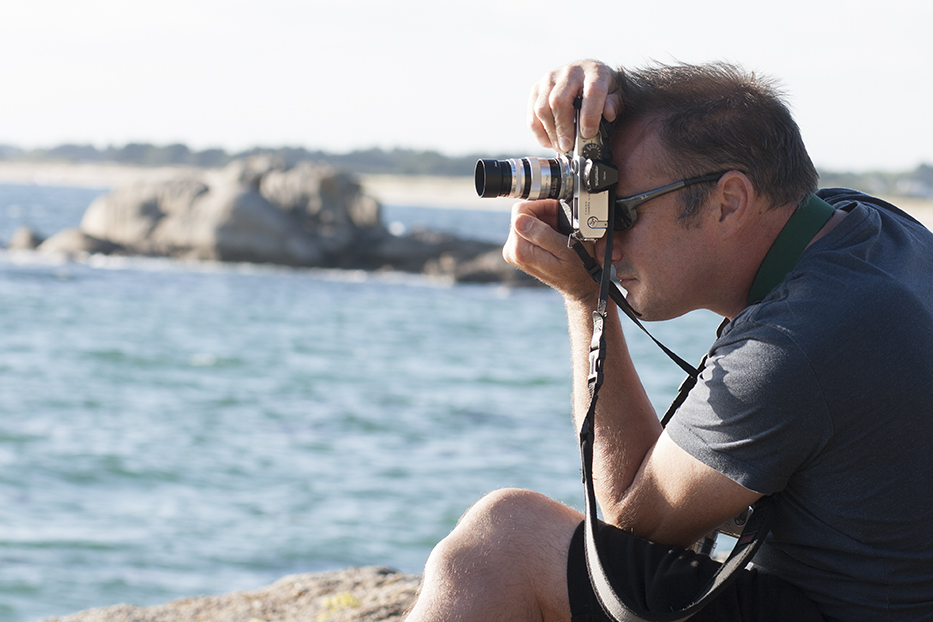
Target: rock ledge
{"points": [[367, 594]]}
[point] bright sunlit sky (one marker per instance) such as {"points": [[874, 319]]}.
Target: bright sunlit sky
{"points": [[441, 74]]}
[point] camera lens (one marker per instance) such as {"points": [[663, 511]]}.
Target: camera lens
{"points": [[524, 178], [492, 179]]}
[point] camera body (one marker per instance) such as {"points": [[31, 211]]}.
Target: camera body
{"points": [[583, 180]]}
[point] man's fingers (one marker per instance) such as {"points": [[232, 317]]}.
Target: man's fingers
{"points": [[536, 247], [567, 87], [600, 97], [540, 116], [551, 115], [550, 108]]}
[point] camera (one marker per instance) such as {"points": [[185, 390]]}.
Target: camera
{"points": [[583, 180]]}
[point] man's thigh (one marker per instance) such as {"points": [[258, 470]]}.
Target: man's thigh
{"points": [[653, 577]]}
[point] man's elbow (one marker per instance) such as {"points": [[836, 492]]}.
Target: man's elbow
{"points": [[663, 525]]}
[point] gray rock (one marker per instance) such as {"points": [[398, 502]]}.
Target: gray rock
{"points": [[368, 594], [250, 171], [75, 243], [235, 223], [24, 239], [260, 210], [490, 267], [322, 195], [257, 210], [129, 215]]}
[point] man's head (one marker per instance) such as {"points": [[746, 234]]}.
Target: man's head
{"points": [[717, 117]]}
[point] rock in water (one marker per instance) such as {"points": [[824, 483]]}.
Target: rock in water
{"points": [[129, 215], [73, 242], [259, 210], [24, 239]]}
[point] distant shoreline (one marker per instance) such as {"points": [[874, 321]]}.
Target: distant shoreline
{"points": [[86, 175], [408, 190], [414, 190]]}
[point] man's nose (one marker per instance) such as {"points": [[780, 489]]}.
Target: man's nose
{"points": [[617, 251]]}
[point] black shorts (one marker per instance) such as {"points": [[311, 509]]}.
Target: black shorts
{"points": [[655, 577]]}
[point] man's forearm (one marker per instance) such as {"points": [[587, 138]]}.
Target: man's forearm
{"points": [[626, 424]]}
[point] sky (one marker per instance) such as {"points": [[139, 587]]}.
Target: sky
{"points": [[445, 75]]}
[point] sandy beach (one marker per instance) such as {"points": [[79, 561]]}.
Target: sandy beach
{"points": [[414, 190]]}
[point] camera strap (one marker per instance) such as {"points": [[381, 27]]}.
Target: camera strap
{"points": [[756, 527], [780, 260]]}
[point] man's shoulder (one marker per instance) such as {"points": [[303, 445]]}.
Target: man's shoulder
{"points": [[846, 199]]}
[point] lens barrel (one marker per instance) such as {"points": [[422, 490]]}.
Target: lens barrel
{"points": [[524, 178], [492, 178]]}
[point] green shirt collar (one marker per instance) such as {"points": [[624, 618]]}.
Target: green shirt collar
{"points": [[790, 243]]}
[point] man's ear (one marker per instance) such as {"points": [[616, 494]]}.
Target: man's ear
{"points": [[736, 200]]}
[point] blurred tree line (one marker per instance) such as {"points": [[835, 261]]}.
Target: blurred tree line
{"points": [[368, 161], [916, 183]]}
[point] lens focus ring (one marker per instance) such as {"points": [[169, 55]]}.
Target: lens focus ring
{"points": [[524, 178]]}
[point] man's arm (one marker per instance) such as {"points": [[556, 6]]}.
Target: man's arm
{"points": [[644, 482]]}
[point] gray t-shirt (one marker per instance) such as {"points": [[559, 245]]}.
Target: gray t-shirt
{"points": [[821, 395]]}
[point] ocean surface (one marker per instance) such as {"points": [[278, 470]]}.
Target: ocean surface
{"points": [[174, 429]]}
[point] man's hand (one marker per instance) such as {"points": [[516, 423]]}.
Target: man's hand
{"points": [[534, 246], [550, 106]]}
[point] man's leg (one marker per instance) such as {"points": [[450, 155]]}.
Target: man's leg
{"points": [[505, 560]]}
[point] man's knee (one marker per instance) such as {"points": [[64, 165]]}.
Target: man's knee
{"points": [[513, 544], [510, 526], [508, 505], [515, 514]]}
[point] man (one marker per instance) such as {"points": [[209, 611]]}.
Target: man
{"points": [[815, 392]]}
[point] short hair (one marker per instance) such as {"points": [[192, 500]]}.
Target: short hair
{"points": [[717, 116]]}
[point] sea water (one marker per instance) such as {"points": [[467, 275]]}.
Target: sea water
{"points": [[173, 429]]}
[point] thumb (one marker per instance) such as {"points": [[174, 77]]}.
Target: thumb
{"points": [[539, 233]]}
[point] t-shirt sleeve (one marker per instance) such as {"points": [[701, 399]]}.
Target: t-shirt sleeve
{"points": [[757, 413]]}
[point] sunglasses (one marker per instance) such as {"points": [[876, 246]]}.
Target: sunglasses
{"points": [[626, 213]]}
